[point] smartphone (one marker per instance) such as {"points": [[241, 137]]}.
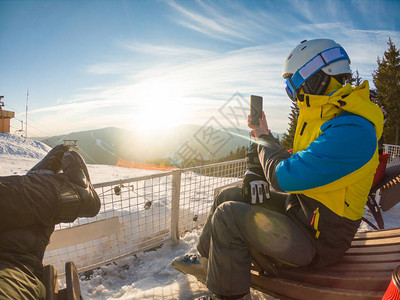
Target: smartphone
{"points": [[256, 108]]}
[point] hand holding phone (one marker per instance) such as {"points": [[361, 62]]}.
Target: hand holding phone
{"points": [[257, 114], [256, 108]]}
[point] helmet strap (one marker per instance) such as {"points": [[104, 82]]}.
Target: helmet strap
{"points": [[316, 84]]}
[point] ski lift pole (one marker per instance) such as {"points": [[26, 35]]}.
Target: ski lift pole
{"points": [[26, 114]]}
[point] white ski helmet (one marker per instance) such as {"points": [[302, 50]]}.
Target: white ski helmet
{"points": [[309, 57]]}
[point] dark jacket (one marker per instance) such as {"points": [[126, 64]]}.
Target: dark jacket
{"points": [[30, 206]]}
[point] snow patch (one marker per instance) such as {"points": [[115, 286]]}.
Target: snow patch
{"points": [[12, 145]]}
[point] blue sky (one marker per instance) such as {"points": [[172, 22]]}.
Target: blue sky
{"points": [[151, 65]]}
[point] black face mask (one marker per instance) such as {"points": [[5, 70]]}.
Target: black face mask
{"points": [[316, 84]]}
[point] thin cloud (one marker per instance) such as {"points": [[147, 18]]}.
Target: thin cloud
{"points": [[164, 52], [212, 23], [70, 107], [109, 68], [381, 16], [322, 27], [159, 50]]}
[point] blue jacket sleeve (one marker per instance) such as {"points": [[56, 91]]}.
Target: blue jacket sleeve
{"points": [[346, 144]]}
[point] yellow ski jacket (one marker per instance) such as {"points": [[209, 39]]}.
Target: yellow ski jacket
{"points": [[330, 173]]}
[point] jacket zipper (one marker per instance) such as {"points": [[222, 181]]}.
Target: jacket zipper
{"points": [[304, 127], [315, 221]]}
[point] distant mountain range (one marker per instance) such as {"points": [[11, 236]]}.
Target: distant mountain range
{"points": [[107, 145]]}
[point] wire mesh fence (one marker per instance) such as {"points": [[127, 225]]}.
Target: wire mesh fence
{"points": [[139, 214], [142, 213], [393, 152]]}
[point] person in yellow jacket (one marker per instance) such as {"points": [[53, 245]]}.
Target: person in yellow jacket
{"points": [[313, 199]]}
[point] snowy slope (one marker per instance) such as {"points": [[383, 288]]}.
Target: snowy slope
{"points": [[147, 275], [17, 154], [16, 146]]}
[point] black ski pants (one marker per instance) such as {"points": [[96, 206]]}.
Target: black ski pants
{"points": [[233, 226]]}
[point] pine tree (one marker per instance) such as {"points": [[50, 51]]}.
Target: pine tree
{"points": [[387, 82], [358, 79], [288, 138], [355, 79]]}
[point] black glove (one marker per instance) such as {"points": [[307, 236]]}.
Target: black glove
{"points": [[51, 163], [255, 188]]}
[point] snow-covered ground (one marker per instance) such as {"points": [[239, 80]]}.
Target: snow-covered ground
{"points": [[144, 276]]}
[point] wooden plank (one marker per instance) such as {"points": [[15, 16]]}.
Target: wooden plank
{"points": [[365, 267], [83, 233], [287, 289], [72, 280], [371, 257], [375, 249], [372, 242], [6, 114], [377, 233], [50, 282], [361, 281]]}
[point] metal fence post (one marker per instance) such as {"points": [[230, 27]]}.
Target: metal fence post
{"points": [[175, 196], [386, 148]]}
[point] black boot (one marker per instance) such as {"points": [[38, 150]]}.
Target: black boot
{"points": [[74, 166], [52, 162], [80, 198]]}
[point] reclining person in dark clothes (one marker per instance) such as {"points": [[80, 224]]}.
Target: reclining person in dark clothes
{"points": [[57, 189]]}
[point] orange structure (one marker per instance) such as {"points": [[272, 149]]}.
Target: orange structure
{"points": [[143, 166], [5, 117]]}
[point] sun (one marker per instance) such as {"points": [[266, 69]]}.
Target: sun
{"points": [[162, 106], [156, 116]]}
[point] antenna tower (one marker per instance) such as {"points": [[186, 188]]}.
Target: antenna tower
{"points": [[26, 115]]}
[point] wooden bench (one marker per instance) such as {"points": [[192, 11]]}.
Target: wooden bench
{"points": [[72, 290], [363, 273]]}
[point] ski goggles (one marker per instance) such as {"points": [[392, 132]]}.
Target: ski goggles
{"points": [[319, 61]]}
